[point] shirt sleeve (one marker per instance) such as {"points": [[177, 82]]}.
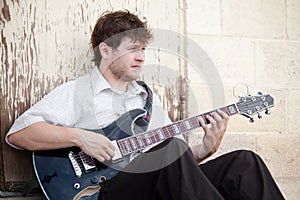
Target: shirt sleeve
{"points": [[55, 108]]}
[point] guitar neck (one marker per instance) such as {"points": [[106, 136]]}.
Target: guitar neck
{"points": [[141, 141]]}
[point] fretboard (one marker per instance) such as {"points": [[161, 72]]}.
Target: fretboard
{"points": [[143, 140]]}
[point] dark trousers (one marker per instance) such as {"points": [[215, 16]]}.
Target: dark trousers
{"points": [[169, 172]]}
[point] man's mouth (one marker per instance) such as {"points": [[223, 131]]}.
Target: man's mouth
{"points": [[136, 66]]}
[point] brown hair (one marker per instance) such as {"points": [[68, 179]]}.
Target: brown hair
{"points": [[112, 27]]}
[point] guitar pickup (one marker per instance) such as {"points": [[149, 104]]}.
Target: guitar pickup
{"points": [[87, 162]]}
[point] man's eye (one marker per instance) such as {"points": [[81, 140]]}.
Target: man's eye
{"points": [[133, 49]]}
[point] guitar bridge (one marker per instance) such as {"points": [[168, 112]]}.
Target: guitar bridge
{"points": [[81, 163], [75, 164]]}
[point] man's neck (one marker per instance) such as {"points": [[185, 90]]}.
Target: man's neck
{"points": [[115, 83]]}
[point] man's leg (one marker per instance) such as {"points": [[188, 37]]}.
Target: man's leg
{"points": [[176, 176], [241, 175]]}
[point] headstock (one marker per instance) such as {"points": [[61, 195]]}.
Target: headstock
{"points": [[251, 105]]}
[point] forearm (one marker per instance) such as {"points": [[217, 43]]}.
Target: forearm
{"points": [[196, 152], [45, 136]]}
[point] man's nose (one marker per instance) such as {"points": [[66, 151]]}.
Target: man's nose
{"points": [[140, 56]]}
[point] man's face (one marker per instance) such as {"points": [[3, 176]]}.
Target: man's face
{"points": [[127, 60]]}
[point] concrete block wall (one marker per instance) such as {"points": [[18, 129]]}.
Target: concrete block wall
{"points": [[255, 43]]}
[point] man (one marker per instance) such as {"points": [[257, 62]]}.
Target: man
{"points": [[94, 101]]}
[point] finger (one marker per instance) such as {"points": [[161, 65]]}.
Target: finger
{"points": [[111, 151], [110, 146], [223, 114], [218, 118], [203, 124], [225, 117], [222, 119], [211, 120], [99, 158], [108, 150], [105, 155]]}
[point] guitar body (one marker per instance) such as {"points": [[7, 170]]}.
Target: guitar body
{"points": [[60, 178], [54, 170]]}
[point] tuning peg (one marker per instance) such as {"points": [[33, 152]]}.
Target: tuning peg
{"points": [[259, 116], [251, 120], [268, 111]]}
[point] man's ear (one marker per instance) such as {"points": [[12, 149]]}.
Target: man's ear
{"points": [[105, 50]]}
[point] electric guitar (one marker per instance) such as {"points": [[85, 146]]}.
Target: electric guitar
{"points": [[70, 174]]}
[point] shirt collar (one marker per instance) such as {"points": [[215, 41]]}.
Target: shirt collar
{"points": [[100, 84], [134, 89], [98, 81]]}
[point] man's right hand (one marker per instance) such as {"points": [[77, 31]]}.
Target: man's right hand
{"points": [[95, 145]]}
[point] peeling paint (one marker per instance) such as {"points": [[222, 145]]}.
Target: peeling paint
{"points": [[46, 43], [5, 11]]}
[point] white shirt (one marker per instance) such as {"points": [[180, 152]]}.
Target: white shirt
{"points": [[89, 102]]}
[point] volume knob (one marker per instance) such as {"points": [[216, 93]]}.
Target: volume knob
{"points": [[95, 180]]}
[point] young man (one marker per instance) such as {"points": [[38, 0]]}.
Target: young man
{"points": [[168, 170]]}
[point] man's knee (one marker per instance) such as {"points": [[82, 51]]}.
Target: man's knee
{"points": [[249, 158], [248, 154]]}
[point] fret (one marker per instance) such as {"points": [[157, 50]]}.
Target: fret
{"points": [[127, 147], [152, 138], [160, 134], [142, 140], [187, 124], [181, 127], [176, 129], [224, 109], [194, 122], [166, 132], [147, 139], [135, 141], [156, 137], [121, 146], [131, 144], [139, 141], [170, 130]]}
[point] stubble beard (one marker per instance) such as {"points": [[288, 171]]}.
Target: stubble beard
{"points": [[121, 73]]}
